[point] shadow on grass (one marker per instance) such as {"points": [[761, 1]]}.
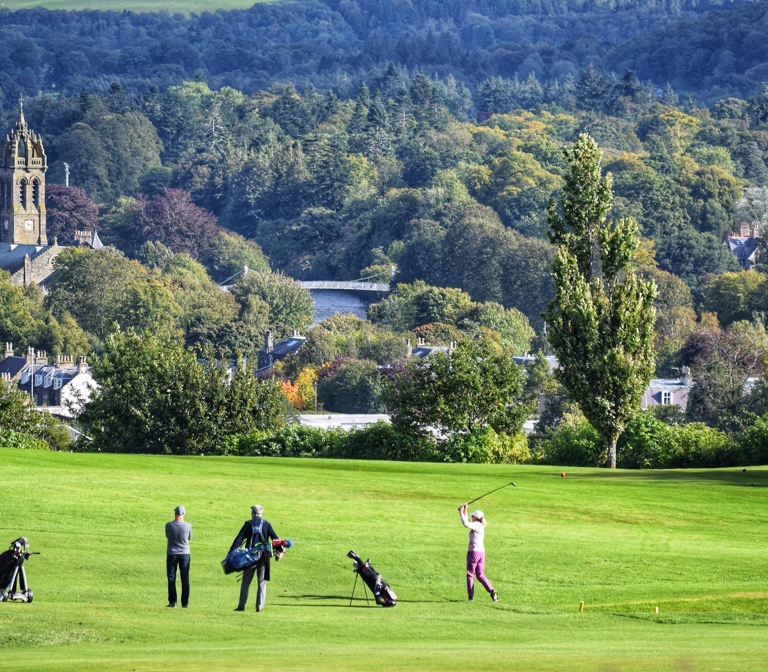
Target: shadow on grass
{"points": [[346, 598]]}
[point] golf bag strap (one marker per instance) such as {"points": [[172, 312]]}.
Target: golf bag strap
{"points": [[255, 532]]}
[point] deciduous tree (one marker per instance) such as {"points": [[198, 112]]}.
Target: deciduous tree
{"points": [[601, 320], [154, 396], [466, 392]]}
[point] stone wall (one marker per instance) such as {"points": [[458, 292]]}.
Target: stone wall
{"points": [[36, 269]]}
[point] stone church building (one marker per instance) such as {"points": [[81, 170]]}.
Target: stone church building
{"points": [[24, 248]]}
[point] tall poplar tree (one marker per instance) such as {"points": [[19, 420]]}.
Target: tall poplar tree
{"points": [[601, 320]]}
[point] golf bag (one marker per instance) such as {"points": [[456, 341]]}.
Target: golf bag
{"points": [[382, 593], [13, 577], [241, 559]]}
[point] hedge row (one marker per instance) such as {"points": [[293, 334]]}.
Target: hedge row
{"points": [[649, 443], [380, 441], [12, 439]]}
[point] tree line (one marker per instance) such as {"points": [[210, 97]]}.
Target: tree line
{"points": [[330, 44]]}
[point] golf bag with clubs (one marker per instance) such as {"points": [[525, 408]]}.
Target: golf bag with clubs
{"points": [[13, 577], [240, 559], [382, 593]]}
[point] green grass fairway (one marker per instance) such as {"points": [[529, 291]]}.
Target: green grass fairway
{"points": [[693, 543], [181, 6]]}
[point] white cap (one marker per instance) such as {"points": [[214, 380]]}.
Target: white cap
{"points": [[477, 514], [257, 510]]}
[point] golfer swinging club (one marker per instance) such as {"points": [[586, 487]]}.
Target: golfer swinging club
{"points": [[476, 552]]}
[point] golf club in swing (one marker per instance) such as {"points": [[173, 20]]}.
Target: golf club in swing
{"points": [[514, 485]]}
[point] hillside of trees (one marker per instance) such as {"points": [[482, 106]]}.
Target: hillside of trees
{"points": [[705, 48], [190, 184]]}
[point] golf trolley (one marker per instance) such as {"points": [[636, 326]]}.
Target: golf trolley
{"points": [[380, 589], [13, 577]]}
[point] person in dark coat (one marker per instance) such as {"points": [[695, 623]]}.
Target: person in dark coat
{"points": [[255, 531]]}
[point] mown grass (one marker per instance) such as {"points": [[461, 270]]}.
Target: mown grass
{"points": [[691, 543], [180, 6]]}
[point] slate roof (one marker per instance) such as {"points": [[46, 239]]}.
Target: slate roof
{"points": [[287, 346], [12, 256], [51, 375], [12, 365], [525, 360], [744, 249], [423, 351]]}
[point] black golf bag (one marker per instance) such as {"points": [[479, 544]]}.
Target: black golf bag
{"points": [[13, 577], [382, 593]]}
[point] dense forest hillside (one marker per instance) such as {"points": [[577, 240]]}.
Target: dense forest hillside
{"points": [[337, 43], [397, 178], [723, 53]]}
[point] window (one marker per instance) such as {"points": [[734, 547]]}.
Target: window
{"points": [[23, 194], [36, 193], [666, 398]]}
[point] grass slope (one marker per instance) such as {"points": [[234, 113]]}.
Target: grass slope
{"points": [[692, 543]]}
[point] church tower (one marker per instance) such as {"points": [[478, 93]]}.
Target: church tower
{"points": [[22, 186]]}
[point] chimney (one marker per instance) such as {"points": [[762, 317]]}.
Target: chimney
{"points": [[82, 365], [296, 333], [30, 356], [451, 347], [8, 350], [408, 348], [42, 357], [269, 344], [686, 378], [420, 341]]}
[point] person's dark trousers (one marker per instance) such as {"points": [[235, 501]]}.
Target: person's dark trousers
{"points": [[182, 562]]}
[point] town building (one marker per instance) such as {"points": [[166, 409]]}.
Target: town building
{"points": [[57, 387], [745, 244], [668, 391], [24, 248], [274, 352]]}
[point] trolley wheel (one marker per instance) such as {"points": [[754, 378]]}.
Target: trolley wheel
{"points": [[29, 595]]}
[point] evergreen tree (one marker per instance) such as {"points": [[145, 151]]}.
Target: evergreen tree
{"points": [[601, 320]]}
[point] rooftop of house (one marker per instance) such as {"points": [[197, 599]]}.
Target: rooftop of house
{"points": [[12, 255], [49, 374], [669, 383], [526, 359], [12, 365], [429, 350], [287, 346]]}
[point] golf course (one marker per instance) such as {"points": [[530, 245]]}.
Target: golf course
{"points": [[693, 544]]}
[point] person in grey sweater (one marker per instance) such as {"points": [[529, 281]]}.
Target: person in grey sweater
{"points": [[178, 533]]}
